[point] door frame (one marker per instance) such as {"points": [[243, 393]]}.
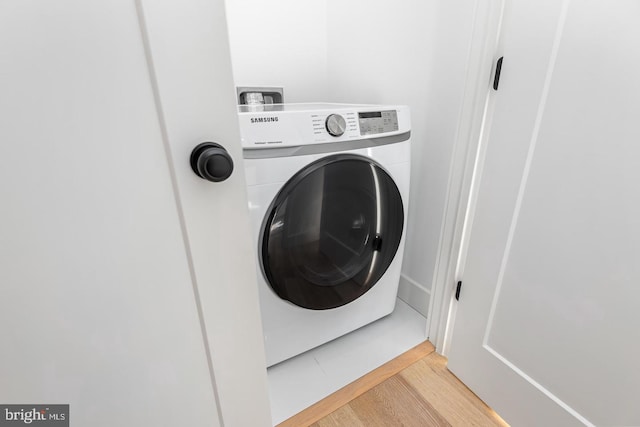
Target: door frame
{"points": [[473, 125]]}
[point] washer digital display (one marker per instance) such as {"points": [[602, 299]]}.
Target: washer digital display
{"points": [[373, 122]]}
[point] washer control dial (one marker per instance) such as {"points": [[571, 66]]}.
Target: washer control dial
{"points": [[335, 124]]}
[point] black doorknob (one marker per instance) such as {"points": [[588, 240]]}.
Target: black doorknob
{"points": [[211, 161]]}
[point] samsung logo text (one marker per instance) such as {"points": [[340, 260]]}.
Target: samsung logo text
{"points": [[264, 119]]}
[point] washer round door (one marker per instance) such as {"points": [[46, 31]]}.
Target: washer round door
{"points": [[331, 232]]}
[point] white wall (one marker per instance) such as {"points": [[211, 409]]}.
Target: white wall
{"points": [[280, 43], [367, 51]]}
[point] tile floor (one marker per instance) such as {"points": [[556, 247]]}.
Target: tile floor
{"points": [[305, 379]]}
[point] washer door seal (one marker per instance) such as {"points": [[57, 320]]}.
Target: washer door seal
{"points": [[331, 232]]}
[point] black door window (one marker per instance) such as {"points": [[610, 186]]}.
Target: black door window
{"points": [[331, 232]]}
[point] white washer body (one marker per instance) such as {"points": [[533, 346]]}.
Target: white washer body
{"points": [[278, 142]]}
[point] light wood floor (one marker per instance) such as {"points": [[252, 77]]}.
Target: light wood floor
{"points": [[415, 389]]}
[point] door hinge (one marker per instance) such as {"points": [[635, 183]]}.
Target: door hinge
{"points": [[496, 78], [458, 287]]}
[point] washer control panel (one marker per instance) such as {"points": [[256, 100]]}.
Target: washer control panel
{"points": [[294, 125], [372, 122]]}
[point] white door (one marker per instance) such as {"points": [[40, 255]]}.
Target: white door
{"points": [[127, 285], [546, 329]]}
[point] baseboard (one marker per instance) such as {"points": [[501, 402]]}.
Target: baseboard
{"points": [[414, 294]]}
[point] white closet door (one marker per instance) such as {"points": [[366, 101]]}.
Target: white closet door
{"points": [[127, 288], [546, 330]]}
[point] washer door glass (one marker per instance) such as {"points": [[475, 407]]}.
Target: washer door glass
{"points": [[331, 232]]}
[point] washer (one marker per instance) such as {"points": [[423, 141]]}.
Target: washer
{"points": [[328, 188]]}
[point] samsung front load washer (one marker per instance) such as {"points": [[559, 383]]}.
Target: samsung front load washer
{"points": [[328, 188]]}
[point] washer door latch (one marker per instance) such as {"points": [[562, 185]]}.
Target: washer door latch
{"points": [[377, 243]]}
